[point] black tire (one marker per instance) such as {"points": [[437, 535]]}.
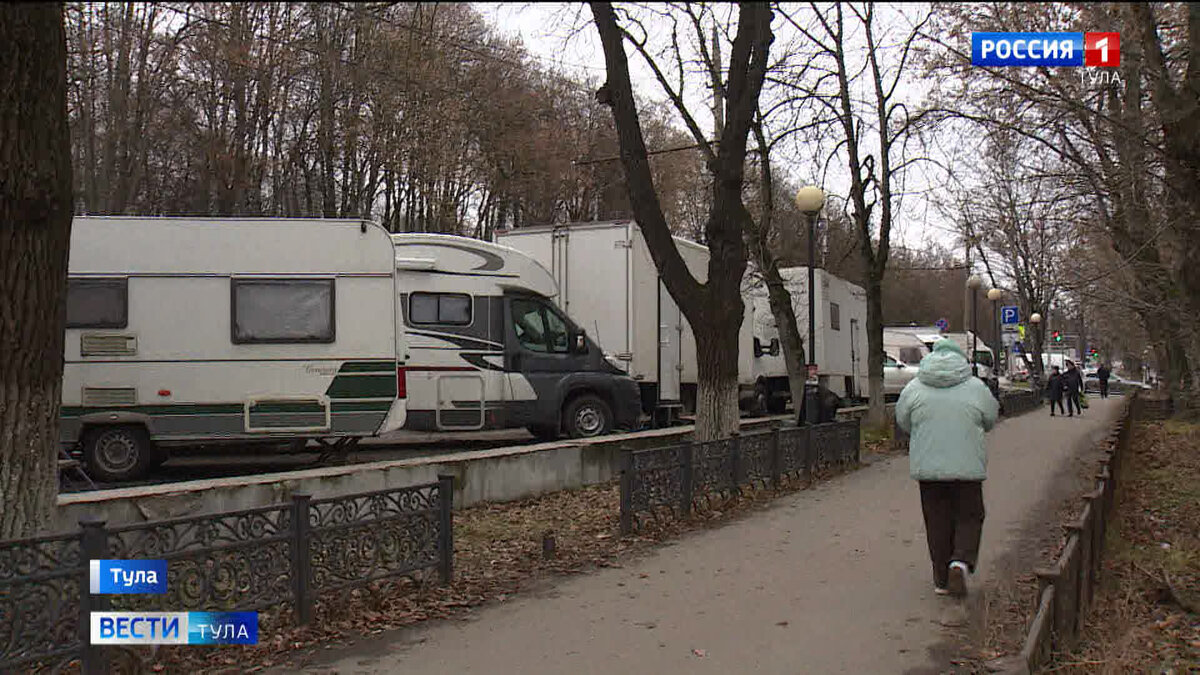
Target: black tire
{"points": [[762, 400], [776, 405], [587, 416], [544, 433], [118, 453]]}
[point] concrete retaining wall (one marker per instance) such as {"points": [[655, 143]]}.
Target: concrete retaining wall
{"points": [[498, 474]]}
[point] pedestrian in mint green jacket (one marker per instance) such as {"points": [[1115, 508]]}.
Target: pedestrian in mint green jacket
{"points": [[946, 412]]}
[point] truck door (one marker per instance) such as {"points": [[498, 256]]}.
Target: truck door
{"points": [[852, 390], [670, 347], [538, 356]]}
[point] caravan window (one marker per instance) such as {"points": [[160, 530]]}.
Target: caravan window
{"points": [[97, 303], [439, 308], [283, 310], [835, 316]]}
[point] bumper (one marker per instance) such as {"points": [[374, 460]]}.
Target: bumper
{"points": [[627, 404]]}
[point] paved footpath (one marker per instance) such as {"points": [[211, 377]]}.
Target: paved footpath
{"points": [[834, 579]]}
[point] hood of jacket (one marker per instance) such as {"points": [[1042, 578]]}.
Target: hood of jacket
{"points": [[946, 366]]}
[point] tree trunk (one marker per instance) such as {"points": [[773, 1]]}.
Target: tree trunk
{"points": [[717, 411], [877, 412], [35, 231], [789, 333]]}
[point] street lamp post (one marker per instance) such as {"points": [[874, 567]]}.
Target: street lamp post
{"points": [[994, 295], [1036, 319], [974, 283], [810, 199]]}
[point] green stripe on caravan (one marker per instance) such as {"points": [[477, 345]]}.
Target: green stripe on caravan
{"points": [[368, 367], [363, 386], [69, 412]]}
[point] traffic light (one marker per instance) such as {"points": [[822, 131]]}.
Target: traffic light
{"points": [[1056, 336]]}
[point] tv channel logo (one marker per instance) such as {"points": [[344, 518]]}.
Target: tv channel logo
{"points": [[121, 577], [1046, 49], [174, 628]]}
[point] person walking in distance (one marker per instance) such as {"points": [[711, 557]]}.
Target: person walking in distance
{"points": [[946, 413], [1054, 390], [1073, 383], [1102, 374]]}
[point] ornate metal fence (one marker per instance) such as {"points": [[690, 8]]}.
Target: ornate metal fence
{"points": [[675, 479], [282, 555]]}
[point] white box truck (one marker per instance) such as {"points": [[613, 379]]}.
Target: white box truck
{"points": [[609, 282]]}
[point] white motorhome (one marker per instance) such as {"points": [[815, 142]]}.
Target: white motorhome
{"points": [[186, 330], [607, 278], [488, 349]]}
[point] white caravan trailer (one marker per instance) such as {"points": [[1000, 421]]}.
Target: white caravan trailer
{"points": [[488, 349], [609, 281], [185, 330], [841, 341]]}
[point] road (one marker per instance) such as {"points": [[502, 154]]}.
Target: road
{"points": [[834, 579]]}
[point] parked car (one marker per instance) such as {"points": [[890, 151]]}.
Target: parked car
{"points": [[896, 374]]}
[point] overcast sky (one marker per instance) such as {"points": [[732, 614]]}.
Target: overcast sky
{"points": [[561, 35]]}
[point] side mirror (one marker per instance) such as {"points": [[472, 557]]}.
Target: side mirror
{"points": [[900, 364], [579, 342], [758, 348]]}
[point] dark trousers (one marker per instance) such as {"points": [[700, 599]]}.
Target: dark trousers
{"points": [[1103, 388], [953, 513], [1073, 403], [1058, 402]]}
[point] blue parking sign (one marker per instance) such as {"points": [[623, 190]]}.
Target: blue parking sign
{"points": [[1010, 315]]}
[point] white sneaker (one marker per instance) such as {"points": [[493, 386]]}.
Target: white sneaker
{"points": [[938, 590], [958, 578]]}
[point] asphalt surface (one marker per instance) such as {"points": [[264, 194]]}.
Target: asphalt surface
{"points": [[834, 579]]}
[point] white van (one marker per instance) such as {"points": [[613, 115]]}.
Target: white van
{"points": [[186, 330], [488, 349]]}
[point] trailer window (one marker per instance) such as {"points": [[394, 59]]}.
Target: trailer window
{"points": [[439, 308], [835, 316], [911, 355], [97, 303], [283, 310]]}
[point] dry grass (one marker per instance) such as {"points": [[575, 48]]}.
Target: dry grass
{"points": [[1141, 622]]}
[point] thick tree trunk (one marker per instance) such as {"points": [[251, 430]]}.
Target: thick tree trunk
{"points": [[717, 391], [877, 412], [35, 230]]}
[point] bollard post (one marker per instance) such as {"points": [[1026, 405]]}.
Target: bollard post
{"points": [[776, 458], [301, 557], [685, 479], [93, 545], [446, 528], [626, 473]]}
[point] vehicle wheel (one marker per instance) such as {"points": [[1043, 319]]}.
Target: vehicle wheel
{"points": [[118, 453], [777, 405], [544, 433], [762, 400], [587, 416]]}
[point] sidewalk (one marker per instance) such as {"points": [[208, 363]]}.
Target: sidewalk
{"points": [[834, 579]]}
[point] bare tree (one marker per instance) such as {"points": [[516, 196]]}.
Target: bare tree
{"points": [[873, 135], [35, 230], [713, 306]]}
